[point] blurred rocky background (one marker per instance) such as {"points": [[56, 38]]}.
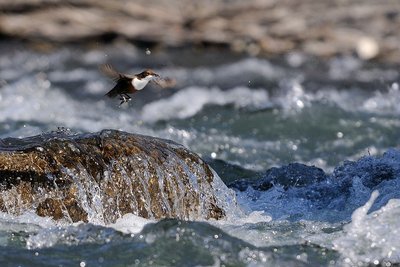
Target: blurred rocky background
{"points": [[368, 29]]}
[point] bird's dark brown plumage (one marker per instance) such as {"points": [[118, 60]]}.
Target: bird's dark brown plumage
{"points": [[123, 86], [123, 82]]}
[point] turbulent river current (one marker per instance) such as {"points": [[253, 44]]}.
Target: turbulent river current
{"points": [[256, 121]]}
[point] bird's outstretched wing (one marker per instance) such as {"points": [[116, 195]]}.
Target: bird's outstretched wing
{"points": [[165, 82], [110, 72]]}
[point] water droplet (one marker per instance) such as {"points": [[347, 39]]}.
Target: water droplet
{"points": [[46, 84], [300, 104], [148, 52]]}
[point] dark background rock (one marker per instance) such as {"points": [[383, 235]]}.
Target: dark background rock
{"points": [[103, 176], [326, 28], [230, 173], [292, 175], [335, 191]]}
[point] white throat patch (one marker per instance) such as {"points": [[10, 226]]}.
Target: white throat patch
{"points": [[140, 84]]}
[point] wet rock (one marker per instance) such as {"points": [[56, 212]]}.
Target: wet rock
{"points": [[102, 176], [230, 172], [371, 172], [292, 175]]}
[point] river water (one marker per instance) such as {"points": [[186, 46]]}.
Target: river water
{"points": [[244, 115]]}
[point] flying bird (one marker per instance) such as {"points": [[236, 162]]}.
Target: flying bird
{"points": [[130, 84]]}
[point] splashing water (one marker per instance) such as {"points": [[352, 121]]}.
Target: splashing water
{"points": [[371, 238], [247, 113]]}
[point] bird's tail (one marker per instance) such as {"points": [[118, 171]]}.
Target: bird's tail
{"points": [[112, 93]]}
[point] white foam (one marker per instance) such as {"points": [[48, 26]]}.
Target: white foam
{"points": [[372, 237], [239, 72], [77, 233], [35, 100], [383, 102], [241, 218], [248, 67], [354, 99], [28, 220], [191, 100], [78, 74], [130, 224], [260, 230]]}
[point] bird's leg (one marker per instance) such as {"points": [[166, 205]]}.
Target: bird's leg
{"points": [[124, 98], [128, 98]]}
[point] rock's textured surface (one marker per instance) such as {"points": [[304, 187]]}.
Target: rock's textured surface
{"points": [[102, 176], [326, 28]]}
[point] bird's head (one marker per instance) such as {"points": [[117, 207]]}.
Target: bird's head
{"points": [[148, 75]]}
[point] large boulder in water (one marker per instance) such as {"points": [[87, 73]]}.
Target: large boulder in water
{"points": [[102, 176]]}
